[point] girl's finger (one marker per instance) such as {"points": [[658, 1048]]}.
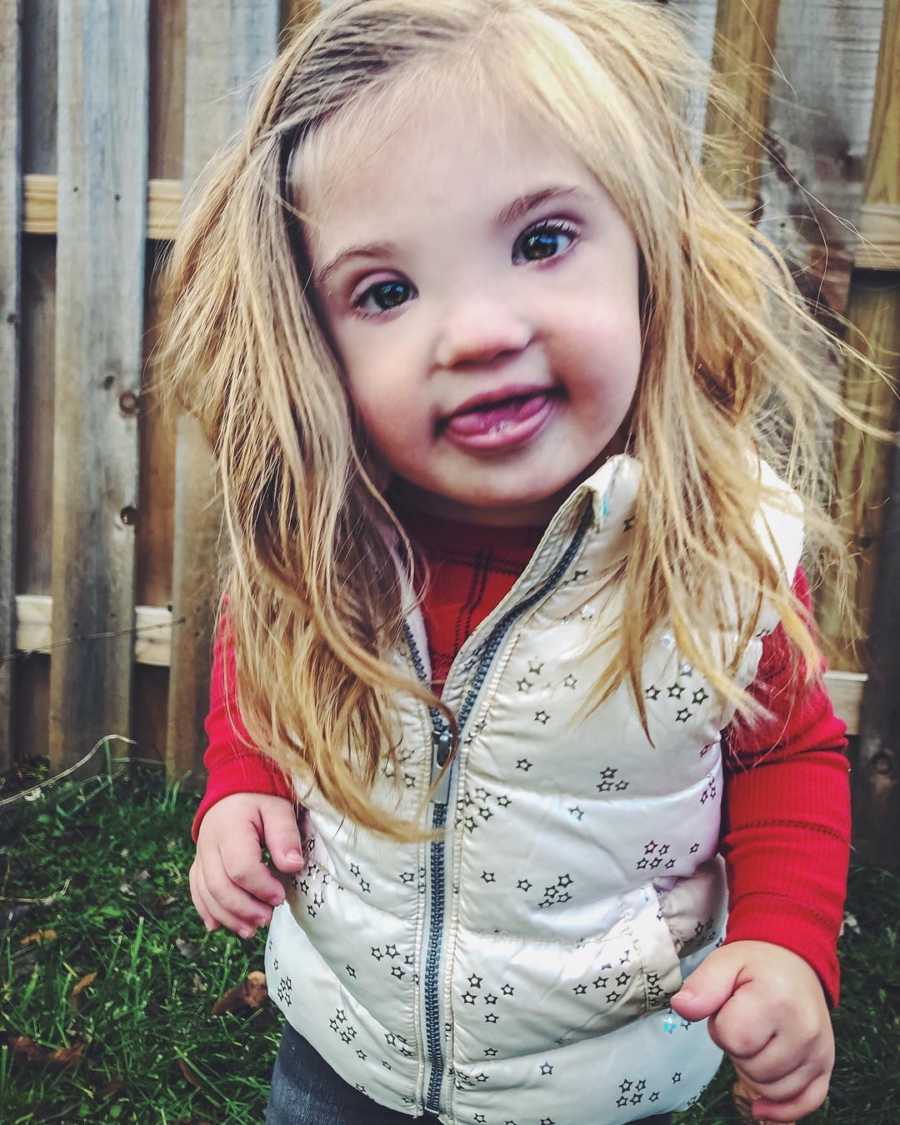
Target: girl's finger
{"points": [[199, 904], [245, 868], [229, 905], [740, 1027], [806, 1103], [787, 1088]]}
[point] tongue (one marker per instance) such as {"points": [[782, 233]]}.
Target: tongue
{"points": [[504, 414]]}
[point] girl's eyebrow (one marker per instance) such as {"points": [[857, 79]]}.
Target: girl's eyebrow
{"points": [[366, 250], [509, 214], [526, 203]]}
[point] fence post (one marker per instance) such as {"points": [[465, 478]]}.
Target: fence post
{"points": [[102, 198]]}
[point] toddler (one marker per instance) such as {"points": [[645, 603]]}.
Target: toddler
{"points": [[517, 444]]}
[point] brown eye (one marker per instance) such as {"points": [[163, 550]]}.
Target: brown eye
{"points": [[548, 240], [384, 296]]}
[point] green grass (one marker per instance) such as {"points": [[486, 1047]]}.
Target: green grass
{"points": [[110, 857]]}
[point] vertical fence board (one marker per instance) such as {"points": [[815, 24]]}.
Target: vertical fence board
{"points": [[155, 539], [820, 109], [863, 465], [874, 491], [102, 159], [10, 321], [35, 485], [876, 777], [228, 43], [39, 85], [38, 342], [742, 54], [167, 62], [157, 439], [698, 21]]}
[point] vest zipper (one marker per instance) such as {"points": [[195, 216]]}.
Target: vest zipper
{"points": [[442, 744]]}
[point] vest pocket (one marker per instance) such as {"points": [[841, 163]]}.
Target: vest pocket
{"points": [[656, 948], [693, 907]]}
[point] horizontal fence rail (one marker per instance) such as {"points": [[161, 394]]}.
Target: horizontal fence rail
{"points": [[876, 245]]}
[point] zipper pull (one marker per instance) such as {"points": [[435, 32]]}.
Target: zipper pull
{"points": [[442, 745]]}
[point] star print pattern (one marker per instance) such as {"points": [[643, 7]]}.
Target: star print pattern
{"points": [[632, 1092], [284, 992], [313, 884], [474, 808], [557, 893], [610, 782], [342, 1027], [655, 856], [709, 790]]}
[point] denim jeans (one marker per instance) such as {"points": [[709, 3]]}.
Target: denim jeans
{"points": [[306, 1091]]}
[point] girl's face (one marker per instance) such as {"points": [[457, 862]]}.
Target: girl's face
{"points": [[481, 290]]}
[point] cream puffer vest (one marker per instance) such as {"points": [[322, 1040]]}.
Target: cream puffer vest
{"points": [[518, 971]]}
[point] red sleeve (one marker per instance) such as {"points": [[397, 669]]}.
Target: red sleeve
{"points": [[233, 764], [786, 827]]}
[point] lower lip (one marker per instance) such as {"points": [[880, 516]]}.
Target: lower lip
{"points": [[508, 427]]}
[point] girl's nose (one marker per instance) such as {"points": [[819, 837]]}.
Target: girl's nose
{"points": [[481, 331]]}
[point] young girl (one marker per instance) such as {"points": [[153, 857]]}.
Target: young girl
{"points": [[518, 452]]}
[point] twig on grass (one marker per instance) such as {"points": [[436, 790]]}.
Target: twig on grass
{"points": [[34, 791]]}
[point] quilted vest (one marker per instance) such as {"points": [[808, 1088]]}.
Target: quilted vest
{"points": [[517, 970]]}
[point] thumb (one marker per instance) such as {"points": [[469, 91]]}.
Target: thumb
{"points": [[282, 836], [708, 987]]}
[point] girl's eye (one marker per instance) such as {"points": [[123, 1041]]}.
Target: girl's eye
{"points": [[545, 240], [383, 296]]}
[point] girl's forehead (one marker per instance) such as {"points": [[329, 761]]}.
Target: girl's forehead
{"points": [[431, 140]]}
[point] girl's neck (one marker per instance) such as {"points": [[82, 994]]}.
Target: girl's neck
{"points": [[421, 505]]}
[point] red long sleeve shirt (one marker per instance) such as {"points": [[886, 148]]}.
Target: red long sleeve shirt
{"points": [[786, 816]]}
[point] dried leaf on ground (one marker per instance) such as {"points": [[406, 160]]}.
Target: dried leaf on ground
{"points": [[85, 982], [66, 1056], [250, 994], [25, 1047], [39, 936]]}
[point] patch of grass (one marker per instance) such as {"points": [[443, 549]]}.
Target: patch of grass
{"points": [[102, 864], [110, 857]]}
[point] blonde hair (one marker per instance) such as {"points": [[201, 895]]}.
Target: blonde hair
{"points": [[315, 596]]}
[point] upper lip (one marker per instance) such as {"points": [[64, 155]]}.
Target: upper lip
{"points": [[499, 394]]}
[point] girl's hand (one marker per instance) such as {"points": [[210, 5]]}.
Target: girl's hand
{"points": [[230, 884], [767, 1009]]}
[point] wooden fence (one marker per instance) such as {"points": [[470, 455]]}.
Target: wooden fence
{"points": [[109, 110]]}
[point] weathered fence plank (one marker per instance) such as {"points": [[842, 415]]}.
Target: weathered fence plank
{"points": [[742, 55], [102, 168], [698, 22], [10, 321], [876, 502], [819, 113], [228, 44]]}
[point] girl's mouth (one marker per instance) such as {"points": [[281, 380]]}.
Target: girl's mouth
{"points": [[503, 423]]}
